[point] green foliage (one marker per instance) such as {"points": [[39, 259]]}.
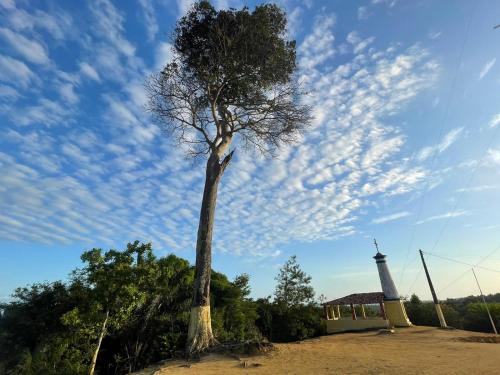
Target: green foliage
{"points": [[242, 52], [281, 323], [293, 314], [476, 317], [53, 328], [463, 313], [233, 314], [293, 287], [233, 70]]}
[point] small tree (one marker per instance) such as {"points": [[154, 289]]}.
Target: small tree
{"points": [[293, 285], [113, 283], [232, 75]]}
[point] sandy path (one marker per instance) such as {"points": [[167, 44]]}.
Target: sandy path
{"points": [[417, 350]]}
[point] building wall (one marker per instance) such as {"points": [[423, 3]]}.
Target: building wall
{"points": [[343, 325]]}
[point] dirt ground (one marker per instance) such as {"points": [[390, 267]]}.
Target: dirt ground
{"points": [[416, 350]]}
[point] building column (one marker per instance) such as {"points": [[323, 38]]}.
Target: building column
{"points": [[363, 311], [353, 312], [338, 311], [382, 311]]}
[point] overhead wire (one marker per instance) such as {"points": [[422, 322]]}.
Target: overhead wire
{"points": [[461, 262], [441, 129], [468, 270]]}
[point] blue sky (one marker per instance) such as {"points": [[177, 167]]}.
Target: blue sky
{"points": [[404, 146]]}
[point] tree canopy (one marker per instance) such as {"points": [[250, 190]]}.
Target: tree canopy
{"points": [[233, 72]]}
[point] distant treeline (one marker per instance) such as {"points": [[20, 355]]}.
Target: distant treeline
{"points": [[467, 313], [139, 304]]}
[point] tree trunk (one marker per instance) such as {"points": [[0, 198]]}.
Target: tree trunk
{"points": [[99, 341], [200, 335]]}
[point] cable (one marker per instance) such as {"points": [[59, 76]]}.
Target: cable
{"points": [[414, 281], [458, 261], [445, 118], [454, 281], [477, 264], [473, 174]]}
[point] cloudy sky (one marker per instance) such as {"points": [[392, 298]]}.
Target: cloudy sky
{"points": [[404, 146]]}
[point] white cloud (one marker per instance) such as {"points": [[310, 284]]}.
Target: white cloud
{"points": [[451, 137], [363, 13], [389, 3], [163, 55], [317, 47], [434, 34], [478, 188], [89, 72], [57, 23], [494, 156], [294, 21], [15, 72], [487, 67], [358, 43], [495, 121], [8, 92], [446, 215], [124, 180], [149, 18], [31, 50], [8, 4], [392, 217], [45, 112], [183, 6], [109, 25], [67, 92]]}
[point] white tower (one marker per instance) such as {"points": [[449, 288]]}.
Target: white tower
{"points": [[388, 286], [394, 307]]}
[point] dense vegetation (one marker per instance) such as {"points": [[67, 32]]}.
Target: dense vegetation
{"points": [[466, 313], [128, 309], [138, 305]]}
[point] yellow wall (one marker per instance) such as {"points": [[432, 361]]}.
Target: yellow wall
{"points": [[342, 325]]}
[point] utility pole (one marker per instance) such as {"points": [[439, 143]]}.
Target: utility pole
{"points": [[485, 304], [442, 321]]}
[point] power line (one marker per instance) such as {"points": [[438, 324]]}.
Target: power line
{"points": [[454, 281], [460, 276], [473, 174], [445, 118], [477, 264], [459, 261]]}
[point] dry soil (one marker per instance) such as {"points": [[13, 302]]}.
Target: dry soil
{"points": [[416, 350]]}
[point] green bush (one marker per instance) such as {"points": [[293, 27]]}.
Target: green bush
{"points": [[476, 317]]}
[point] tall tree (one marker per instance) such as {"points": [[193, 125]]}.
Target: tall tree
{"points": [[293, 285], [232, 75]]}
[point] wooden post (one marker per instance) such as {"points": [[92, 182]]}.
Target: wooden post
{"points": [[442, 321], [382, 311], [353, 312], [485, 304], [363, 311]]}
